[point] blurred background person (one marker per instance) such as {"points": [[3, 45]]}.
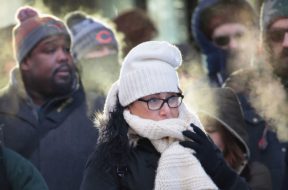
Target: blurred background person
{"points": [[17, 173], [225, 32], [250, 86], [136, 27], [232, 59], [225, 125], [274, 30], [43, 108], [96, 52], [274, 25]]}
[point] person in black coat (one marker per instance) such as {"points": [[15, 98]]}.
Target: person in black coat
{"points": [[43, 108], [273, 19], [96, 51], [224, 122], [148, 138]]}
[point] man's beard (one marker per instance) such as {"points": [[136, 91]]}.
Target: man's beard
{"points": [[238, 60], [280, 64], [65, 86], [55, 87]]}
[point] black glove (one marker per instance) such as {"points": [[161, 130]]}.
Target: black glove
{"points": [[210, 157]]}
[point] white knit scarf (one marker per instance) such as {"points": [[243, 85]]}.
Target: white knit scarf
{"points": [[178, 168]]}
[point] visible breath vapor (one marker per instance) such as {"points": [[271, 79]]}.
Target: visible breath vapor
{"points": [[269, 98], [6, 58], [198, 95]]}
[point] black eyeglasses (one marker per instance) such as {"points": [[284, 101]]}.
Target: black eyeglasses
{"points": [[277, 35], [154, 104], [224, 40]]}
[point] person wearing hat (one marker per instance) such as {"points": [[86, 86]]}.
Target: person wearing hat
{"points": [[224, 30], [145, 133], [226, 126], [274, 27], [264, 143], [96, 51], [43, 108], [274, 31], [245, 77]]}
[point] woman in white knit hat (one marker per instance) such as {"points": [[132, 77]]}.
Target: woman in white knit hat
{"points": [[144, 120]]}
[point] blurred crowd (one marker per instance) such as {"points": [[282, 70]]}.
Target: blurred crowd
{"points": [[98, 103]]}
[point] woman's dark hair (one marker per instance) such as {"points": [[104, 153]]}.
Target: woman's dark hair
{"points": [[137, 27], [233, 151], [112, 146]]}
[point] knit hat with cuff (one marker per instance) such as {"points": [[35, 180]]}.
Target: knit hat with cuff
{"points": [[149, 68], [272, 10], [88, 34], [32, 28]]}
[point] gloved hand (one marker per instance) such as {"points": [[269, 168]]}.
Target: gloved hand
{"points": [[210, 157], [205, 150]]}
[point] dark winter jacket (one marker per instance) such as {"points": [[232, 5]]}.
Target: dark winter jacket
{"points": [[20, 173], [263, 143], [140, 174], [57, 138], [285, 178], [229, 114], [117, 164], [4, 182]]}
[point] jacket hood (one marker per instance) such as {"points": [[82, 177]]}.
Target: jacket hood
{"points": [[228, 112], [214, 58], [271, 10]]}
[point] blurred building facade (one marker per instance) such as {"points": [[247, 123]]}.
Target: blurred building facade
{"points": [[172, 17]]}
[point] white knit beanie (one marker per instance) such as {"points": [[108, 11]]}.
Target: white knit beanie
{"points": [[147, 69]]}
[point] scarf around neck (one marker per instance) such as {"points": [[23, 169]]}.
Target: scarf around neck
{"points": [[177, 168]]}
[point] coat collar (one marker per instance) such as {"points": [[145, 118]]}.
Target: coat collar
{"points": [[15, 100]]}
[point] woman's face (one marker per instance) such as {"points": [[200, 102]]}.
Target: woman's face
{"points": [[230, 36], [140, 107], [217, 139]]}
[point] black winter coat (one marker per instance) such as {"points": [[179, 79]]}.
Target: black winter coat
{"points": [[138, 169], [264, 144], [138, 174], [57, 138]]}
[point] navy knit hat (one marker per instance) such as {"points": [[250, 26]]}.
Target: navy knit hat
{"points": [[32, 28], [271, 11], [88, 33]]}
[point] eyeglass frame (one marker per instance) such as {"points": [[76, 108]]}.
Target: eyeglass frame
{"points": [[166, 100]]}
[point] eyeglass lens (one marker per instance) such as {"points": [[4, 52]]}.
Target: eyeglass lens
{"points": [[157, 103]]}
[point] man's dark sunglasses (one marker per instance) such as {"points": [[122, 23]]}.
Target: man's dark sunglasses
{"points": [[225, 39], [277, 35]]}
